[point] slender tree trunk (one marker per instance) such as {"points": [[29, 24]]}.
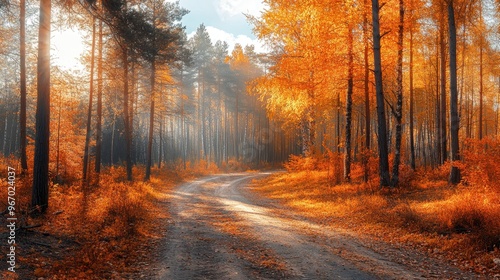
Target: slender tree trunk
{"points": [[367, 95], [437, 123], [126, 117], [236, 132], [40, 194], [480, 129], [412, 136], [337, 126], [89, 110], [443, 130], [161, 143], [151, 122], [22, 113], [98, 145], [382, 128], [399, 106], [455, 121], [58, 141], [348, 111]]}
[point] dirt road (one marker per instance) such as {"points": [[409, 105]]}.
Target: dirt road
{"points": [[220, 230]]}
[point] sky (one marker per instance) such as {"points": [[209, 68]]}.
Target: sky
{"points": [[223, 19]]}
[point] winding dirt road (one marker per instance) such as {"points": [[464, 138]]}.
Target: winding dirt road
{"points": [[220, 230]]}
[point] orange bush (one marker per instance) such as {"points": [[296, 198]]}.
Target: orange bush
{"points": [[481, 158]]}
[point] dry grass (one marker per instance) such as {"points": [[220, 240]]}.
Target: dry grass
{"points": [[461, 223], [107, 230]]}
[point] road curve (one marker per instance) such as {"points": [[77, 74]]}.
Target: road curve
{"points": [[220, 230]]}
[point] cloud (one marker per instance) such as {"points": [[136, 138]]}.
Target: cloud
{"points": [[218, 34], [231, 8]]}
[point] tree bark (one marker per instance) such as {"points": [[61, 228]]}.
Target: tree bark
{"points": [[89, 110], [442, 43], [412, 136], [151, 122], [455, 121], [481, 42], [381, 118], [348, 111], [98, 145], [399, 106], [126, 117], [22, 58], [40, 191], [367, 95]]}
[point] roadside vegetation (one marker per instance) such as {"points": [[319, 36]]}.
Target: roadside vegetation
{"points": [[108, 230], [458, 223]]}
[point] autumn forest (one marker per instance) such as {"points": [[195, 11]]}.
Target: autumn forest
{"points": [[377, 122]]}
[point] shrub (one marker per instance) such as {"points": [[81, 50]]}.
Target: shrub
{"points": [[301, 163], [474, 214]]}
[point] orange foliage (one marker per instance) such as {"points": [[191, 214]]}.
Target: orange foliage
{"points": [[481, 158], [461, 223]]}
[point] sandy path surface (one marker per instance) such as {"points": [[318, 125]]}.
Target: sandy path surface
{"points": [[220, 230]]}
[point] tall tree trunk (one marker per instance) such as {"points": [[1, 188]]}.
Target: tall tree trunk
{"points": [[89, 110], [399, 106], [437, 154], [126, 117], [412, 136], [161, 143], [455, 121], [381, 118], [40, 191], [348, 111], [151, 122], [22, 113], [98, 145], [481, 42], [367, 94], [442, 136]]}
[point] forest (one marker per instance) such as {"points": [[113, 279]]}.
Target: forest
{"points": [[381, 118]]}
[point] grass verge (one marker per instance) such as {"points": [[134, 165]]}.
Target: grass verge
{"points": [[461, 224]]}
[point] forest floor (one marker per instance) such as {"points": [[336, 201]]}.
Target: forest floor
{"points": [[251, 225], [427, 225], [221, 229], [106, 231]]}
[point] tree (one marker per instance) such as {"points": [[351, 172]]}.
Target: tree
{"points": [[348, 111], [22, 58], [455, 121], [381, 118], [161, 46], [98, 145], [89, 111], [398, 113], [40, 193]]}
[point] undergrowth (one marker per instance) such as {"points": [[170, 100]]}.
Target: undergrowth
{"points": [[458, 222], [108, 227]]}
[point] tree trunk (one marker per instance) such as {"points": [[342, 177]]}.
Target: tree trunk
{"points": [[348, 111], [40, 191], [455, 121], [480, 129], [399, 106], [98, 145], [382, 129], [442, 118], [367, 95], [412, 136], [89, 110], [126, 117], [151, 122], [22, 113]]}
